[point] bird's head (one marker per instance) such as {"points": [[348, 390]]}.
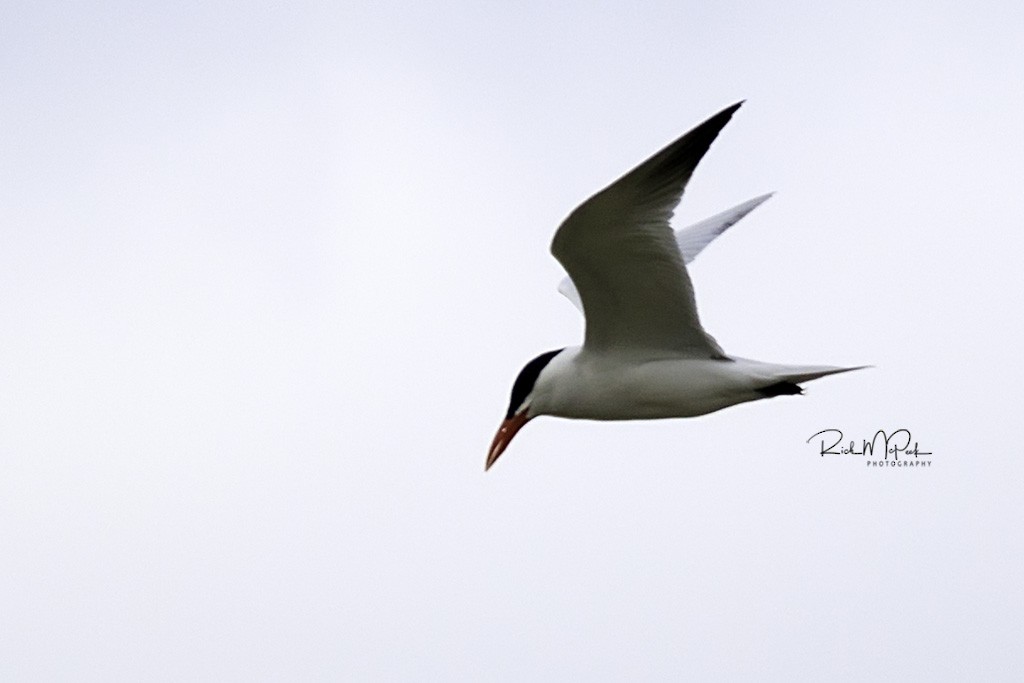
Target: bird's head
{"points": [[521, 408]]}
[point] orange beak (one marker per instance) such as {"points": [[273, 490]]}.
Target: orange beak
{"points": [[504, 436]]}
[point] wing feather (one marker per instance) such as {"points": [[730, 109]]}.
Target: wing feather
{"points": [[621, 254]]}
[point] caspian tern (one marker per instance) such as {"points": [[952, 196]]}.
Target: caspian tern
{"points": [[645, 354]]}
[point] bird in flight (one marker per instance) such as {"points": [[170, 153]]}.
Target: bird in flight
{"points": [[645, 354]]}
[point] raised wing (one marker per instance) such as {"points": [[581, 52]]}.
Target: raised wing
{"points": [[690, 240], [693, 239], [622, 256]]}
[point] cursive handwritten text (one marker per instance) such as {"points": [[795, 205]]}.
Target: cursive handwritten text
{"points": [[896, 444]]}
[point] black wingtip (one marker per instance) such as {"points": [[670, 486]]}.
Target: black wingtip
{"points": [[712, 126], [670, 168], [727, 112], [675, 163]]}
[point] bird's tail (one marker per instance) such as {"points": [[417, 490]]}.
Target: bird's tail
{"points": [[787, 383], [774, 379], [798, 374]]}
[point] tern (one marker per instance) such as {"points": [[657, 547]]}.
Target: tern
{"points": [[645, 354]]}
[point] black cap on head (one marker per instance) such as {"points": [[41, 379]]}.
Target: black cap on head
{"points": [[527, 378]]}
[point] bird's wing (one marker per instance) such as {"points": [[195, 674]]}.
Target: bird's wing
{"points": [[690, 240], [622, 256]]}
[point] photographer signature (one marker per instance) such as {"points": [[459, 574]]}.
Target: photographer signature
{"points": [[895, 444]]}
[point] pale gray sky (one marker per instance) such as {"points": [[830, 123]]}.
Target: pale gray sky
{"points": [[267, 273]]}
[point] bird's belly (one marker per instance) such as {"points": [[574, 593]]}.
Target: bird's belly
{"points": [[655, 390]]}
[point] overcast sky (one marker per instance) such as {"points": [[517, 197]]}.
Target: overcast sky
{"points": [[268, 271]]}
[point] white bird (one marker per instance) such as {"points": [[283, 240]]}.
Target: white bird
{"points": [[645, 354]]}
